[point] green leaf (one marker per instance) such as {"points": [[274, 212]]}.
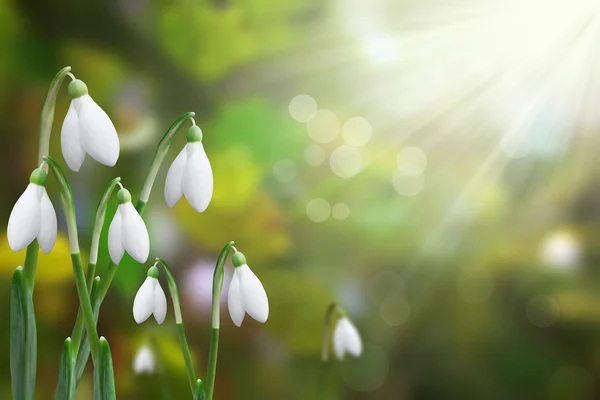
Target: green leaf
{"points": [[66, 373], [200, 393], [23, 339], [84, 346], [104, 376]]}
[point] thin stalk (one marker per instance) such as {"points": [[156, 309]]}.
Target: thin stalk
{"points": [[84, 298], [46, 119], [329, 317], [159, 156], [216, 320], [185, 349], [30, 266]]}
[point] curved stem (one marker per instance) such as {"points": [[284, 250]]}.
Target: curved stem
{"points": [[161, 151], [84, 298], [98, 224], [185, 349], [327, 331], [47, 115], [216, 318]]}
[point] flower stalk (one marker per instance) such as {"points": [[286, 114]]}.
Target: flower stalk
{"points": [[84, 298], [185, 349], [217, 288]]}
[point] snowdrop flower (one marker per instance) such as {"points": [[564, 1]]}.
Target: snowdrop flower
{"points": [[150, 299], [87, 129], [246, 293], [190, 174], [127, 232], [33, 216], [144, 361], [346, 339]]}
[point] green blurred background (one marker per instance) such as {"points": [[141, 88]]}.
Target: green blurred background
{"points": [[429, 164]]}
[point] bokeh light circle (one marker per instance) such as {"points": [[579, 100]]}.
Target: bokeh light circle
{"points": [[284, 170], [303, 108], [314, 155], [346, 161], [412, 161], [475, 286], [394, 310], [318, 210], [561, 250], [385, 284], [340, 211], [367, 372], [407, 185], [324, 127], [542, 311], [357, 131]]}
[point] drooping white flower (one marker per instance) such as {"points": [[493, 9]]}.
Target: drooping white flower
{"points": [[144, 362], [150, 299], [346, 339], [190, 174], [246, 293], [128, 232], [87, 129], [33, 216]]}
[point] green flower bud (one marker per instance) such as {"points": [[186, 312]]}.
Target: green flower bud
{"points": [[77, 88], [238, 259], [123, 196], [38, 176], [153, 272], [194, 134]]}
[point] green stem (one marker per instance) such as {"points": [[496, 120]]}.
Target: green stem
{"points": [[84, 298], [30, 266], [98, 224], [329, 318], [159, 156], [216, 318], [47, 115], [46, 119], [185, 349], [161, 152]]}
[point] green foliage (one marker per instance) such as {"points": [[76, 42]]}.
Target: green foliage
{"points": [[84, 346], [66, 376], [104, 376], [23, 339]]}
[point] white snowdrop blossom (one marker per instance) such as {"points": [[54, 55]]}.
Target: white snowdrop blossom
{"points": [[190, 175], [144, 362], [33, 216], [128, 232], [246, 293], [87, 129], [150, 299], [346, 339]]}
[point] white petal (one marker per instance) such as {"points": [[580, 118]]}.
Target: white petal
{"points": [[160, 304], [69, 139], [135, 235], [197, 177], [338, 340], [24, 220], [143, 304], [115, 241], [144, 361], [98, 134], [47, 234], [234, 300], [352, 341], [254, 297], [173, 184]]}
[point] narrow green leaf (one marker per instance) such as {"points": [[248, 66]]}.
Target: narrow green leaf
{"points": [[23, 339], [104, 375], [200, 393], [66, 374], [84, 346]]}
